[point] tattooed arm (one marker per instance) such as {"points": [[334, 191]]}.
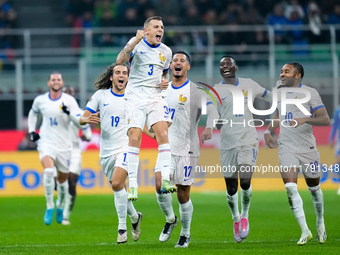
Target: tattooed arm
{"points": [[165, 80], [124, 55]]}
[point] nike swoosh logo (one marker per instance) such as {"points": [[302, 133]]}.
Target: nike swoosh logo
{"points": [[142, 52], [124, 164], [224, 98], [187, 179], [166, 165], [166, 116], [106, 104]]}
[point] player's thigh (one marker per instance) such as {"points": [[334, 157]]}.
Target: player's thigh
{"points": [[135, 115], [229, 166], [310, 163], [47, 155], [183, 169], [119, 175], [289, 164], [158, 111]]}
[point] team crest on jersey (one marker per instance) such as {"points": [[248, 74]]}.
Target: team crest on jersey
{"points": [[162, 57], [245, 93], [182, 99], [128, 121]]}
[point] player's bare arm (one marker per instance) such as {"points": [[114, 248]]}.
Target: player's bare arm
{"points": [[124, 55], [165, 80], [270, 142], [89, 117], [321, 119]]}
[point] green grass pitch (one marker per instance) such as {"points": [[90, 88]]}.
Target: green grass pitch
{"points": [[93, 229]]}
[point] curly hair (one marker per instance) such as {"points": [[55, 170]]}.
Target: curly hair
{"points": [[103, 81]]}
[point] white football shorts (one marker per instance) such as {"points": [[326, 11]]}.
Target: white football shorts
{"points": [[61, 158], [233, 158], [183, 169], [111, 162], [138, 113], [308, 163]]}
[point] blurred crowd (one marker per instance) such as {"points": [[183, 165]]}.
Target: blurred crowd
{"points": [[8, 20], [112, 13]]}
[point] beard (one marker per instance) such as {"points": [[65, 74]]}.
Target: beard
{"points": [[117, 88], [177, 76], [56, 90]]}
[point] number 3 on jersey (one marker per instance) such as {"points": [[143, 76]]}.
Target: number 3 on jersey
{"points": [[151, 70], [169, 111]]}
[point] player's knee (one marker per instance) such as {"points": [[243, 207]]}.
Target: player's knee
{"points": [[162, 137], [134, 141], [245, 184], [117, 185], [231, 190]]}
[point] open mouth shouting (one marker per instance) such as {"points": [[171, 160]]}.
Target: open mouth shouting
{"points": [[121, 82], [158, 38]]}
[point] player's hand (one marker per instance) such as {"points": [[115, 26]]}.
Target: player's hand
{"points": [[84, 138], [65, 109], [93, 118], [164, 84], [139, 35], [297, 122], [206, 135], [270, 141], [34, 136]]}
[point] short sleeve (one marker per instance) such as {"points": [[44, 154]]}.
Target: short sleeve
{"points": [[168, 60], [258, 90], [93, 104], [315, 100]]}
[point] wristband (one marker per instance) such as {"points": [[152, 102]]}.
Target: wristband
{"points": [[267, 132]]}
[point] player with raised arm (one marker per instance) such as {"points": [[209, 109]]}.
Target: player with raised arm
{"points": [[184, 99], [54, 141], [297, 147], [149, 62], [239, 142], [75, 162], [106, 107], [335, 133]]}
